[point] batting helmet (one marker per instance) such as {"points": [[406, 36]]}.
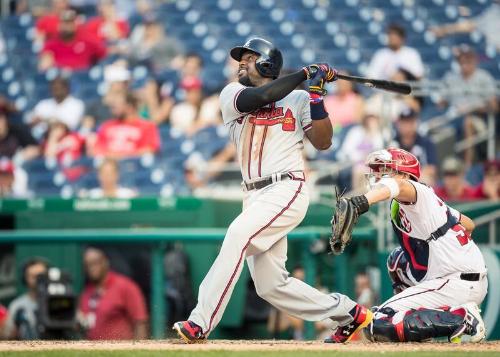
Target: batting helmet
{"points": [[270, 59], [396, 159]]}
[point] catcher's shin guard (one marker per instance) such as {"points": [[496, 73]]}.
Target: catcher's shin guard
{"points": [[416, 326]]}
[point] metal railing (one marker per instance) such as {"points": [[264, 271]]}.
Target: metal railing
{"points": [[490, 219]]}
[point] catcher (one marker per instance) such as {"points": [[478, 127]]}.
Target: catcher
{"points": [[438, 272]]}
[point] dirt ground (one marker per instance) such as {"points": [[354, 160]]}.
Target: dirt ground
{"points": [[256, 345]]}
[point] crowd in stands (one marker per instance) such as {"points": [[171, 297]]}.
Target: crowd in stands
{"points": [[116, 86]]}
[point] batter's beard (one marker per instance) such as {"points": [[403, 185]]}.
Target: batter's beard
{"points": [[245, 80]]}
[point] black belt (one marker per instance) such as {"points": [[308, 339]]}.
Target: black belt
{"points": [[470, 276], [257, 185]]}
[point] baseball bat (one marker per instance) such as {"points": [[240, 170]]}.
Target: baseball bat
{"points": [[391, 86]]}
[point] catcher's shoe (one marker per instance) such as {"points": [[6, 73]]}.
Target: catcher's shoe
{"points": [[362, 318], [473, 325], [189, 331]]}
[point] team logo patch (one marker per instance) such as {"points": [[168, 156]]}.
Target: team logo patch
{"points": [[405, 222], [274, 116]]}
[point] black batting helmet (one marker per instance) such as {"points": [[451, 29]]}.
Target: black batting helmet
{"points": [[270, 61]]}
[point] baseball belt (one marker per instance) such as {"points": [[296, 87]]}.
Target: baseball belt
{"points": [[276, 177]]}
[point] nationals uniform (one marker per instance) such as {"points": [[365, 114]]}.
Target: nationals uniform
{"points": [[447, 269], [269, 144]]}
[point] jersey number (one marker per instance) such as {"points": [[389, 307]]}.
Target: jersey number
{"points": [[462, 236]]}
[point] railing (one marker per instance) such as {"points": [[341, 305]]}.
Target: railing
{"points": [[158, 239], [489, 219]]}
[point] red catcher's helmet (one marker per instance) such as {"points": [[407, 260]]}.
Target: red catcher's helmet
{"points": [[398, 160]]}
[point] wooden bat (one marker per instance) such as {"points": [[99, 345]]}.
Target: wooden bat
{"points": [[391, 86]]}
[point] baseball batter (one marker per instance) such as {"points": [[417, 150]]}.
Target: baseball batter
{"points": [[267, 119], [438, 272]]}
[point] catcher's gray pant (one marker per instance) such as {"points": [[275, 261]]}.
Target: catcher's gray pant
{"points": [[259, 234]]}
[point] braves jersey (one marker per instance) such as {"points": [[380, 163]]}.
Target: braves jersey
{"points": [[452, 253], [269, 139]]}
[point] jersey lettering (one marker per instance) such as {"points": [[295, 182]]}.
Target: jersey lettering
{"points": [[275, 116], [405, 222]]}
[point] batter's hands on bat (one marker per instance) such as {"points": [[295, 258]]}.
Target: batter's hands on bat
{"points": [[328, 73], [346, 215]]}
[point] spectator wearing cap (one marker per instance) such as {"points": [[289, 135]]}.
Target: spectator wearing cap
{"points": [[388, 105], [455, 187], [109, 183], [408, 138], [107, 27], [346, 103], [16, 139], [13, 181], [150, 45], [490, 186], [386, 61], [470, 93], [184, 114], [71, 49], [112, 306], [62, 107], [126, 134]]}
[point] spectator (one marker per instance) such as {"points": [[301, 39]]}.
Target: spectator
{"points": [[98, 111], [363, 290], [455, 187], [16, 140], [107, 27], [150, 45], [109, 178], [62, 107], [13, 181], [62, 144], [490, 187], [389, 105], [192, 66], [386, 61], [486, 23], [358, 143], [71, 49], [408, 138], [112, 306], [346, 103], [22, 321], [184, 114], [126, 135], [47, 25], [470, 93], [155, 102]]}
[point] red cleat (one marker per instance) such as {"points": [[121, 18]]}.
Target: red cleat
{"points": [[362, 318], [189, 331]]}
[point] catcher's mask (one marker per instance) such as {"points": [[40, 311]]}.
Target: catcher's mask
{"points": [[391, 161]]}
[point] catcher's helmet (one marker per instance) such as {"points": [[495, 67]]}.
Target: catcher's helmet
{"points": [[270, 61], [396, 266], [396, 159]]}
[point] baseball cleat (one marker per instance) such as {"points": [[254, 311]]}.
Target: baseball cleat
{"points": [[362, 318], [189, 331], [473, 325]]}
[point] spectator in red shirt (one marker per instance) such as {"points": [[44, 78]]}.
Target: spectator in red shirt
{"points": [[62, 144], [71, 49], [455, 188], [47, 26], [112, 306], [126, 135], [107, 27], [490, 187]]}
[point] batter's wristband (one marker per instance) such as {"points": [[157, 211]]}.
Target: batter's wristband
{"points": [[318, 111]]}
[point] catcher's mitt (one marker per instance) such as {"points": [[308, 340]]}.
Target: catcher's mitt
{"points": [[347, 212]]}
